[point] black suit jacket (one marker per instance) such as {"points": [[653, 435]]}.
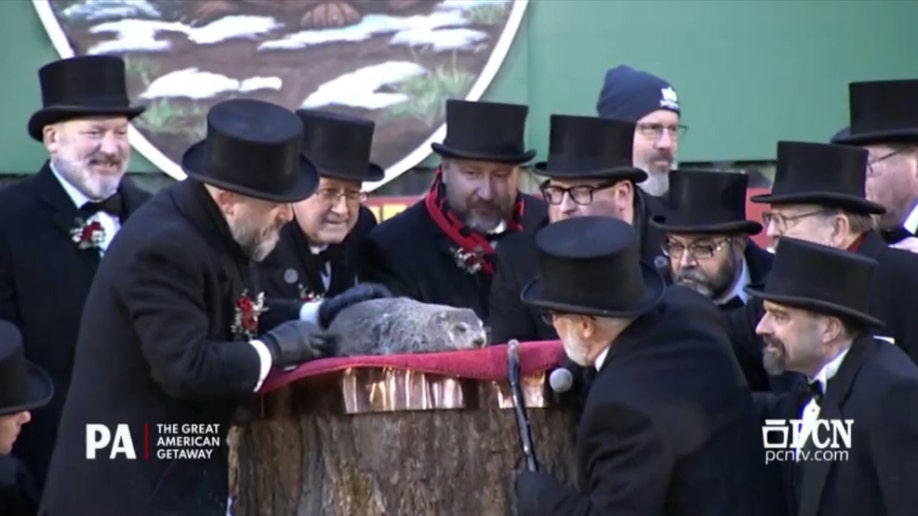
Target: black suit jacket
{"points": [[669, 426], [292, 269], [156, 346], [44, 278], [876, 387], [893, 297], [518, 264], [410, 254]]}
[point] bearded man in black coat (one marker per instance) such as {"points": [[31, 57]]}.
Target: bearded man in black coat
{"points": [[58, 225], [171, 333]]}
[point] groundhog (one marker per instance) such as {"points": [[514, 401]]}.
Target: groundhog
{"points": [[311, 14], [402, 325]]}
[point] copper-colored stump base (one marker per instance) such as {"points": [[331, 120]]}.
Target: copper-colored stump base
{"points": [[412, 444]]}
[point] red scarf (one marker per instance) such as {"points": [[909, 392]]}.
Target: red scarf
{"points": [[471, 243]]}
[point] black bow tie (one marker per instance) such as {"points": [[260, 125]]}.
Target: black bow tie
{"points": [[114, 206], [815, 390], [891, 236]]}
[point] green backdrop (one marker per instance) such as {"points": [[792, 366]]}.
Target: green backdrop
{"points": [[748, 73]]}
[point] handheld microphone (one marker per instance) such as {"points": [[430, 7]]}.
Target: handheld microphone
{"points": [[561, 380]]}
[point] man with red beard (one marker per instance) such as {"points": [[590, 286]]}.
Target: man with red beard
{"points": [[441, 250], [652, 104], [59, 224]]}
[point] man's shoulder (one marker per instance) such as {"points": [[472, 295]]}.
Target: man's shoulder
{"points": [[17, 196], [899, 262], [403, 226]]}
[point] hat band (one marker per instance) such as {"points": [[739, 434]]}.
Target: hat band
{"points": [[585, 163], [478, 146]]}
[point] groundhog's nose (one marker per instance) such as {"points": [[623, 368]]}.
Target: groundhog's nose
{"points": [[479, 341]]}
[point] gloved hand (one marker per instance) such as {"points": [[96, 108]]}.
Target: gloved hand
{"points": [[295, 342], [528, 485], [330, 308]]}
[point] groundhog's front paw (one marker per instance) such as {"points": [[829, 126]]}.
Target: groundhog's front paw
{"points": [[330, 14]]}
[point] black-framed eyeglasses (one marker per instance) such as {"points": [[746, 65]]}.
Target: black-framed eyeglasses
{"points": [[697, 250], [654, 131], [781, 221], [580, 194]]}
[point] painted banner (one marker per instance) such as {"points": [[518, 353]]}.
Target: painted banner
{"points": [[393, 61]]}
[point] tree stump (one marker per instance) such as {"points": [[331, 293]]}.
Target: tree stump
{"points": [[319, 450]]}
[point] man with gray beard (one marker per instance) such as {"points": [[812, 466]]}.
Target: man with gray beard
{"points": [[653, 105], [171, 332], [707, 236], [442, 250], [59, 223]]}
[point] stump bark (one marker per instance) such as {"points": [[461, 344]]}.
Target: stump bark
{"points": [[307, 457]]}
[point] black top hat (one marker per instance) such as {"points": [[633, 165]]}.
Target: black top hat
{"points": [[589, 147], [820, 173], [486, 131], [81, 86], [707, 202], [592, 266], [23, 385], [339, 145], [807, 275], [253, 148], [882, 112]]}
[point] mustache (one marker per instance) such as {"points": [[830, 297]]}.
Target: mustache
{"points": [[691, 274], [104, 159]]}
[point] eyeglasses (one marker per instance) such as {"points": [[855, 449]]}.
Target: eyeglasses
{"points": [[698, 251], [781, 221], [332, 196], [871, 163], [580, 194], [654, 131]]}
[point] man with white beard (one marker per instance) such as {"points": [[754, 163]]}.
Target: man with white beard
{"points": [[171, 336], [669, 404], [58, 224], [653, 105]]}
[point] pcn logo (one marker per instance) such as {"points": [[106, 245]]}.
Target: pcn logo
{"points": [[99, 437]]}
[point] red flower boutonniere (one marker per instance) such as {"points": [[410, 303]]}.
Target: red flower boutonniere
{"points": [[87, 234], [469, 261], [247, 313], [308, 296]]}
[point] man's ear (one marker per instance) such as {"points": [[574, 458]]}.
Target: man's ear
{"points": [[587, 326], [50, 136]]}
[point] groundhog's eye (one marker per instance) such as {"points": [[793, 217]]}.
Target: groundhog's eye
{"points": [[461, 328]]}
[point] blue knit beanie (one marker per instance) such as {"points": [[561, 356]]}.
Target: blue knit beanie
{"points": [[628, 94]]}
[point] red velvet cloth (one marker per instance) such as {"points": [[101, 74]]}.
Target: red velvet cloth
{"points": [[489, 363]]}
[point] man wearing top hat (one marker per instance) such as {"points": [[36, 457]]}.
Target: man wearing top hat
{"points": [[441, 250], [668, 426], [171, 331], [317, 254], [884, 120], [818, 196], [709, 250], [653, 105], [24, 387], [60, 221], [817, 322], [589, 172]]}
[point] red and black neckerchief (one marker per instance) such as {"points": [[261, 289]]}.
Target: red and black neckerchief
{"points": [[471, 243]]}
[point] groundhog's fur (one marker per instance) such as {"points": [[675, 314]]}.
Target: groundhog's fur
{"points": [[402, 325]]}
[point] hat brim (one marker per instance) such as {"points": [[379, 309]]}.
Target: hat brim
{"points": [[748, 227], [39, 389], [847, 202], [908, 135], [633, 174], [533, 294], [307, 180], [818, 306], [373, 173], [450, 152], [55, 114]]}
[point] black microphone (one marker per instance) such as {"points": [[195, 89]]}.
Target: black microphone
{"points": [[519, 408]]}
